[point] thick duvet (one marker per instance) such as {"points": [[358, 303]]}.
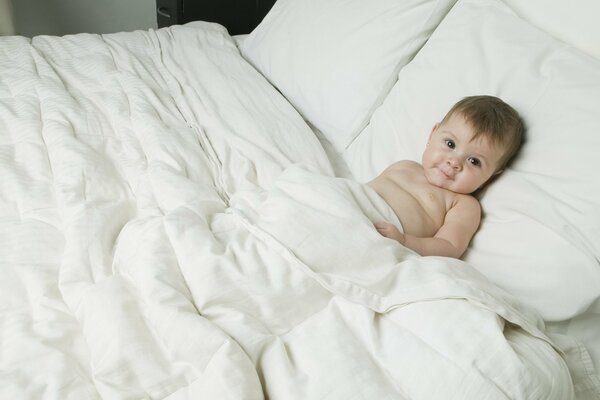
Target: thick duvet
{"points": [[170, 228]]}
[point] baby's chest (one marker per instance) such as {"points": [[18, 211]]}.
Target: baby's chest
{"points": [[422, 213]]}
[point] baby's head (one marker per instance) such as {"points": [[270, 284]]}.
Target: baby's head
{"points": [[492, 119], [475, 141]]}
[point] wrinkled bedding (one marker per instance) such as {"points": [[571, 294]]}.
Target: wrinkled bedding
{"points": [[170, 228]]}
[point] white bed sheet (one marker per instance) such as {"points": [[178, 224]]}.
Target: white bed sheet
{"points": [[104, 132]]}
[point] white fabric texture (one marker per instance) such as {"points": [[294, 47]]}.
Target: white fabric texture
{"points": [[572, 21], [171, 230], [335, 60], [583, 359], [105, 135], [539, 237], [419, 304]]}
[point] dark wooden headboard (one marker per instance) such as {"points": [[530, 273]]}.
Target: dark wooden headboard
{"points": [[238, 16]]}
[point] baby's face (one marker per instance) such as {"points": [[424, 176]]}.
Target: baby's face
{"points": [[453, 162]]}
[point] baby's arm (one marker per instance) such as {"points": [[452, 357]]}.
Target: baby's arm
{"points": [[451, 240]]}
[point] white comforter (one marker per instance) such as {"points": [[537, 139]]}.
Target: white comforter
{"points": [[169, 228]]}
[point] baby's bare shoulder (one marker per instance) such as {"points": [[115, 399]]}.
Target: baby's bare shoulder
{"points": [[403, 164], [465, 204]]}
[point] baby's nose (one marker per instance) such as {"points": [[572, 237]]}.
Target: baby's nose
{"points": [[454, 163]]}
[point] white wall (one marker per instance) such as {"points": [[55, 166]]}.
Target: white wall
{"points": [[61, 17], [6, 22]]}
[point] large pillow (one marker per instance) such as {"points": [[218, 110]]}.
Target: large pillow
{"points": [[335, 60], [540, 233]]}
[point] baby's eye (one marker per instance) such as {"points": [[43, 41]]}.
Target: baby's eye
{"points": [[450, 143], [475, 162]]}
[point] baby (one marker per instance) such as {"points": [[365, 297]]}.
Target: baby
{"points": [[439, 216]]}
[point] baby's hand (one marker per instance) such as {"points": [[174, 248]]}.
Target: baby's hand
{"points": [[389, 231]]}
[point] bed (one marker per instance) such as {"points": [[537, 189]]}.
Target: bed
{"points": [[184, 214]]}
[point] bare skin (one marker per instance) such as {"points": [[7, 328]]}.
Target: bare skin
{"points": [[432, 199]]}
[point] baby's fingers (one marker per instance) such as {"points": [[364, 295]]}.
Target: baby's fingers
{"points": [[381, 225]]}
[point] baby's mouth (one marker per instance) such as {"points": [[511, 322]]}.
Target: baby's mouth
{"points": [[448, 175]]}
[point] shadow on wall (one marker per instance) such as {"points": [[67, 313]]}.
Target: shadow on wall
{"points": [[7, 26], [62, 17]]}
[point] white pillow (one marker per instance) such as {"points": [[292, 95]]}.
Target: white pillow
{"points": [[335, 60], [573, 21], [540, 235]]}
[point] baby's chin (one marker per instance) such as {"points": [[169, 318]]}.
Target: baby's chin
{"points": [[436, 178]]}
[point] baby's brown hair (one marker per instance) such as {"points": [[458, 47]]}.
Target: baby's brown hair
{"points": [[492, 118]]}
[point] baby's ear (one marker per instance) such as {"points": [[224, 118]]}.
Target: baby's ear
{"points": [[437, 124]]}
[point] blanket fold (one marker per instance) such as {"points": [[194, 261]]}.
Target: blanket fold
{"points": [[323, 227]]}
